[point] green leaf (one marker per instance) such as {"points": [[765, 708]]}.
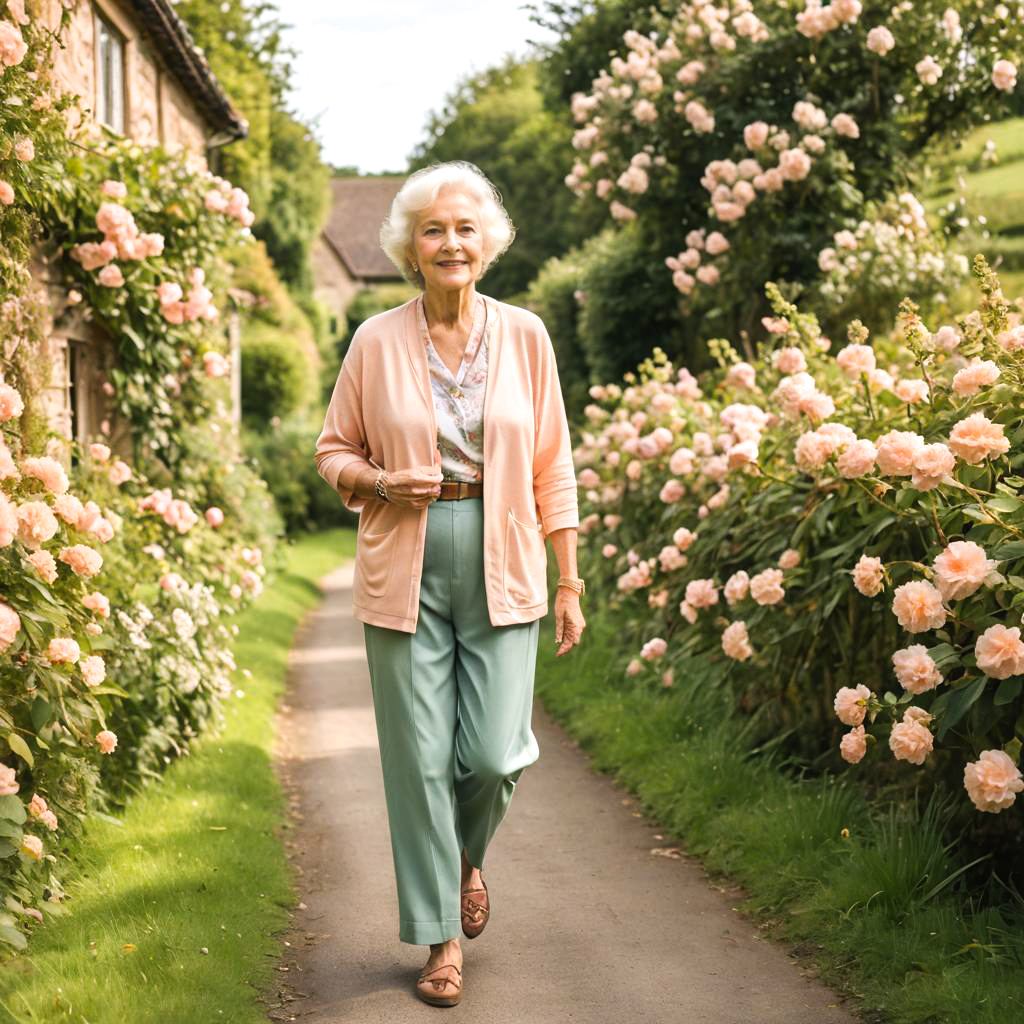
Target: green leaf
{"points": [[960, 704], [1004, 503], [108, 688], [12, 808], [20, 747], [1008, 691], [1012, 549], [40, 713], [9, 829]]}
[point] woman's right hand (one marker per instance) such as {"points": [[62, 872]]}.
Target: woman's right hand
{"points": [[416, 487]]}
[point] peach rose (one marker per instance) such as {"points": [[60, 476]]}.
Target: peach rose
{"points": [[857, 459], [766, 587], [737, 586], [789, 360], [918, 606], [1000, 652], [653, 649], [910, 741], [911, 391], [97, 602], [701, 593], [960, 569], [43, 563], [896, 452], [736, 642], [31, 846], [11, 404], [8, 521], [977, 374], [94, 671], [69, 508], [854, 360], [99, 452], [119, 472], [847, 704], [36, 523], [10, 624], [63, 650], [84, 560], [932, 464], [683, 538], [915, 669], [993, 781], [49, 471], [977, 438], [789, 559], [107, 741], [853, 746], [8, 781], [868, 576]]}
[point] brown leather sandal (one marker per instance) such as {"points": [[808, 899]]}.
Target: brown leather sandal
{"points": [[439, 986], [475, 913]]}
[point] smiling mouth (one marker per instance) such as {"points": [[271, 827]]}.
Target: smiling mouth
{"points": [[452, 263]]}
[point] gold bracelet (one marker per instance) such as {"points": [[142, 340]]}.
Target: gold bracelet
{"points": [[573, 583]]}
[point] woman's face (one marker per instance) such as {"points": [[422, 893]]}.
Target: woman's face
{"points": [[447, 242]]}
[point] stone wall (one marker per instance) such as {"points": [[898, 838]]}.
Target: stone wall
{"points": [[156, 107]]}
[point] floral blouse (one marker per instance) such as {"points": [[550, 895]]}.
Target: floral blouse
{"points": [[459, 399]]}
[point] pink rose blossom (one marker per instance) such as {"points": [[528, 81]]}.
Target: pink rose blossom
{"points": [[114, 189], [683, 538], [214, 516], [853, 746], [110, 276], [896, 452], [49, 471], [868, 575], [42, 561], [847, 707], [789, 559], [977, 438], [789, 360], [609, 550], [63, 650], [1004, 75], [6, 193], [10, 624], [635, 667], [910, 741], [977, 374], [94, 671], [97, 602], [737, 586], [653, 649], [911, 390], [31, 846], [1000, 652], [855, 360], [107, 741], [918, 606], [119, 472], [24, 149], [960, 569], [99, 452], [84, 561], [36, 523], [766, 587], [672, 491], [915, 669], [857, 460], [11, 404], [993, 781], [736, 642], [69, 508], [933, 463], [701, 593], [880, 40]]}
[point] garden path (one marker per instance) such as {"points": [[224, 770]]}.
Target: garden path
{"points": [[587, 925]]}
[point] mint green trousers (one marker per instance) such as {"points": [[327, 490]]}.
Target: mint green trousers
{"points": [[453, 703]]}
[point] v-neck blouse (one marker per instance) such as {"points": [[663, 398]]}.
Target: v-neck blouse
{"points": [[459, 398]]}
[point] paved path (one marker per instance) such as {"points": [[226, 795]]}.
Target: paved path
{"points": [[587, 926]]}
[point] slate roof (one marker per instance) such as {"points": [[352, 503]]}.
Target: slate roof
{"points": [[175, 44], [358, 208]]}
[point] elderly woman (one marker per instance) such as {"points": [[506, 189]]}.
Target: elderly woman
{"points": [[447, 432]]}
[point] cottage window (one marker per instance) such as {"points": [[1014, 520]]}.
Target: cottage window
{"points": [[109, 75]]}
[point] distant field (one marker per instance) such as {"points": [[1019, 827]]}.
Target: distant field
{"points": [[994, 192]]}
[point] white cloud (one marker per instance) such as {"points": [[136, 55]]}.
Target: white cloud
{"points": [[371, 72]]}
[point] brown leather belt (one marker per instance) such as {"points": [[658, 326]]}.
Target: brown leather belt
{"points": [[454, 489]]}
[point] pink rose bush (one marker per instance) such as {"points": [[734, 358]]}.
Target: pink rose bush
{"points": [[889, 525]]}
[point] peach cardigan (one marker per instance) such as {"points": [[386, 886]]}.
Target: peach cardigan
{"points": [[382, 410]]}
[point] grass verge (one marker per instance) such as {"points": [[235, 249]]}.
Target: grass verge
{"points": [[870, 895], [172, 911]]}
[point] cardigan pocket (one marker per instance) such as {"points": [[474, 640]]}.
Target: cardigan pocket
{"points": [[375, 557], [524, 570]]}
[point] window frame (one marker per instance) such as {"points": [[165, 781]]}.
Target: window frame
{"points": [[111, 96]]}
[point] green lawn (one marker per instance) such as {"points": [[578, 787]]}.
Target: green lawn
{"points": [[172, 912]]}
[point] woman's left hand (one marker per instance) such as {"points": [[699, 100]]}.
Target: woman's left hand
{"points": [[569, 621]]}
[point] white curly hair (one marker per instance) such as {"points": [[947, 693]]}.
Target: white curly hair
{"points": [[421, 188]]}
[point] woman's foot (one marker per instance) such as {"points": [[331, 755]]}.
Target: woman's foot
{"points": [[476, 908], [440, 981]]}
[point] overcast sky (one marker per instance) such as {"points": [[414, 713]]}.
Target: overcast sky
{"points": [[371, 71]]}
